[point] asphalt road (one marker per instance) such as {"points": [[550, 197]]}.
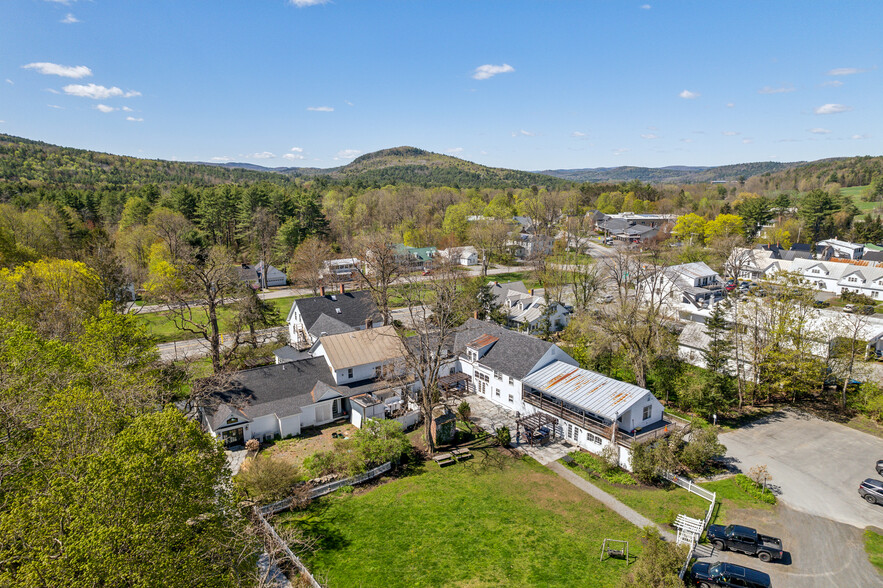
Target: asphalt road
{"points": [[816, 467], [195, 348]]}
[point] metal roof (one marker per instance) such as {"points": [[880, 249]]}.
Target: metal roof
{"points": [[362, 347], [588, 390], [483, 341]]}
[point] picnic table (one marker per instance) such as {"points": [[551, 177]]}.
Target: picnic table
{"points": [[462, 453], [444, 459]]}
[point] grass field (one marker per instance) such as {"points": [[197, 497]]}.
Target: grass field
{"points": [[161, 326], [661, 505], [855, 192], [874, 548], [465, 525]]}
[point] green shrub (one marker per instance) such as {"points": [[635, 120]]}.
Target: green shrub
{"points": [[266, 479], [346, 489], [503, 436], [599, 466], [751, 488], [856, 298]]}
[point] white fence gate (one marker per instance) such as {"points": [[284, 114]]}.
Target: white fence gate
{"points": [[692, 528]]}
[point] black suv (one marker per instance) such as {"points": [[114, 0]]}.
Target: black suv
{"points": [[706, 575], [880, 466], [871, 490]]}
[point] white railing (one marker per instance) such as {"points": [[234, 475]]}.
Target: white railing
{"points": [[328, 488], [688, 485]]}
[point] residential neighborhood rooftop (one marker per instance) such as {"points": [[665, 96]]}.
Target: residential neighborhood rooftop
{"points": [[363, 347]]}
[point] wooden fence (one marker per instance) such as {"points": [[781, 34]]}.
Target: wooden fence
{"points": [[295, 560]]}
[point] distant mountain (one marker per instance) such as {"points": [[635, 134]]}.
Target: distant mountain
{"points": [[673, 174], [846, 171]]}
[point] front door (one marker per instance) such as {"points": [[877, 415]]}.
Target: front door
{"points": [[233, 437]]}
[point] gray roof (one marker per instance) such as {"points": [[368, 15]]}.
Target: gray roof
{"points": [[329, 326], [289, 353], [588, 390], [514, 354], [281, 389], [355, 308]]}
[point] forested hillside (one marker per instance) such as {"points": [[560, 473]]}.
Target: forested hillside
{"points": [[671, 174], [846, 171], [38, 163]]}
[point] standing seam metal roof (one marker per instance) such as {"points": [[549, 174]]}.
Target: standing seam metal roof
{"points": [[586, 389]]}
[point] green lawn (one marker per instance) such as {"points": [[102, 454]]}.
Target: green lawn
{"points": [[874, 548], [661, 505], [465, 525], [855, 192], [515, 277], [161, 326]]}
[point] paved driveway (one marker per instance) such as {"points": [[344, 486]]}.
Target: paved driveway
{"points": [[816, 465]]}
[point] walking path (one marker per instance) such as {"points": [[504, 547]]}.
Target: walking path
{"points": [[609, 501]]}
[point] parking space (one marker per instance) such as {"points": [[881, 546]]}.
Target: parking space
{"points": [[816, 465]]}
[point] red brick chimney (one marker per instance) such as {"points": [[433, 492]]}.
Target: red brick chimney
{"points": [[342, 289], [321, 290]]}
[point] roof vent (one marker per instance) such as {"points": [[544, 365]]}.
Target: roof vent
{"points": [[337, 310], [334, 298]]}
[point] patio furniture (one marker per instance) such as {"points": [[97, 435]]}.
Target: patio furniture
{"points": [[444, 459], [462, 454]]}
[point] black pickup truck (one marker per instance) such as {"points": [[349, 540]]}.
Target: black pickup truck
{"points": [[746, 540]]}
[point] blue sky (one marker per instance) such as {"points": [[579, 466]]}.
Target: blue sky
{"points": [[522, 84]]}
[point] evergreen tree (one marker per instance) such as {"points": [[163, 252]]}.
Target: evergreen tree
{"points": [[718, 385]]}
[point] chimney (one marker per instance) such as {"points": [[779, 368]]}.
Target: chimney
{"points": [[475, 315], [342, 288], [368, 323], [531, 291], [321, 290]]}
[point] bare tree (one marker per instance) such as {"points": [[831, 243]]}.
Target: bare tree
{"points": [[435, 309], [847, 347], [489, 238], [636, 319], [381, 266], [308, 264]]}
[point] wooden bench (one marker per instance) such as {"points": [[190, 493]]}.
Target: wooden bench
{"points": [[462, 454]]}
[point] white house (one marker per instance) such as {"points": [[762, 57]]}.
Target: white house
{"points": [[527, 375], [527, 311], [694, 283], [843, 249], [460, 255], [361, 355], [330, 314], [341, 270]]}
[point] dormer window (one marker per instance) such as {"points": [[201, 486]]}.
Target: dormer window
{"points": [[816, 271], [334, 298], [852, 279], [472, 355]]}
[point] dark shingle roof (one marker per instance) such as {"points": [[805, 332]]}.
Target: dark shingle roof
{"points": [[515, 354], [289, 353], [281, 389], [329, 326], [355, 308]]}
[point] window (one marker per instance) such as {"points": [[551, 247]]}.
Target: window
{"points": [[349, 373], [512, 382], [231, 421], [648, 412], [510, 398], [473, 355], [875, 294], [852, 279], [815, 271], [498, 375], [498, 391], [482, 376], [593, 438]]}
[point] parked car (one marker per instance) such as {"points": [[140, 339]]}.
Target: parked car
{"points": [[706, 575], [607, 298], [880, 466], [850, 308], [866, 309], [746, 540], [730, 287], [820, 304], [871, 490]]}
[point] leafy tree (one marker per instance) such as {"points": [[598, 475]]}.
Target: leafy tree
{"points": [[308, 264], [658, 565], [689, 228], [815, 209], [455, 220], [135, 212], [703, 448], [724, 226], [756, 211], [267, 479]]}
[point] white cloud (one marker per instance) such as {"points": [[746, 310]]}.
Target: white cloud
{"points": [[523, 133], [858, 137], [730, 133], [105, 108], [54, 69], [650, 136], [819, 131], [261, 155], [844, 71], [748, 141], [134, 119], [347, 154], [348, 103], [305, 3], [69, 19], [292, 156], [688, 95], [126, 109], [779, 90], [483, 72], [65, 2], [52, 91], [577, 135], [620, 151], [55, 106], [730, 105], [832, 109], [686, 140], [2, 121], [646, 7], [297, 149], [833, 83], [10, 82], [97, 92], [321, 108], [454, 150], [222, 158]]}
